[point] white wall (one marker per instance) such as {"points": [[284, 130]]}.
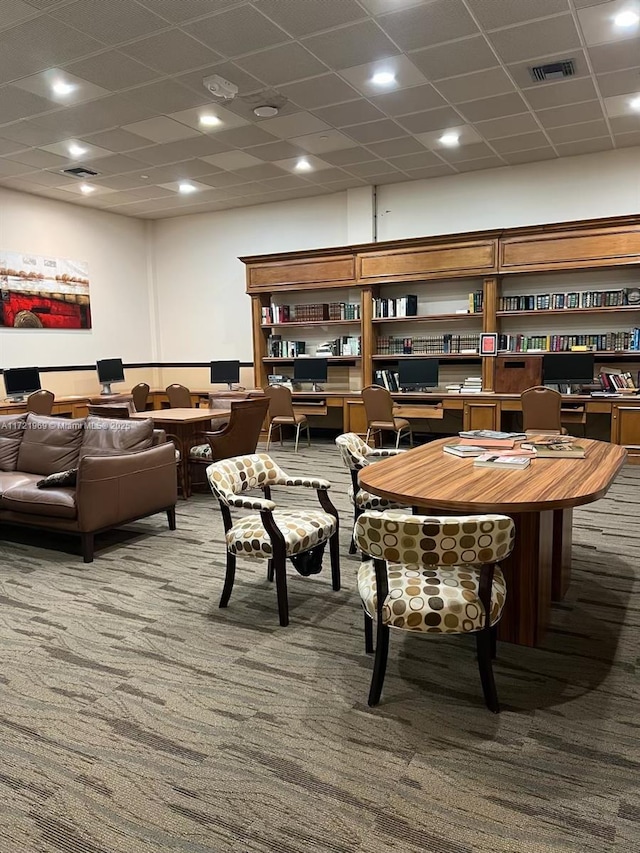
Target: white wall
{"points": [[203, 311], [115, 248], [585, 187]]}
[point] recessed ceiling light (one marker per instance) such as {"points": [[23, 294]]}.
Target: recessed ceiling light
{"points": [[266, 111], [383, 78], [77, 150], [62, 88], [186, 187], [634, 103], [450, 139], [303, 165], [209, 120], [87, 188], [626, 19]]}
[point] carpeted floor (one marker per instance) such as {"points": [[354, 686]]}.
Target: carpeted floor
{"points": [[137, 717]]}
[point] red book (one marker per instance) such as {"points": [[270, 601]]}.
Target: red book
{"points": [[506, 443]]}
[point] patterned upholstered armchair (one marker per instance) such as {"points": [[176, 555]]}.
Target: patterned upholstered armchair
{"points": [[433, 575], [356, 455], [272, 534]]}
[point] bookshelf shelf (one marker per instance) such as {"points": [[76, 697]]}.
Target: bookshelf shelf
{"points": [[324, 323], [439, 355], [332, 359], [546, 311], [433, 318], [607, 353]]}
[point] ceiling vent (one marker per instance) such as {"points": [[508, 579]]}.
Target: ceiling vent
{"points": [[553, 71], [80, 172]]}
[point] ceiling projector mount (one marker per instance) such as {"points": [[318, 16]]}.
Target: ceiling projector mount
{"points": [[220, 88]]}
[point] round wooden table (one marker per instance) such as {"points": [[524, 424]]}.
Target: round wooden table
{"points": [[540, 500]]}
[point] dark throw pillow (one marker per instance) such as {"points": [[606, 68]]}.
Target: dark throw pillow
{"points": [[58, 480]]}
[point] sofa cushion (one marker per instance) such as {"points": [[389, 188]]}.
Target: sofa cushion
{"points": [[11, 432], [8, 479], [28, 499], [115, 436], [50, 444], [59, 480]]}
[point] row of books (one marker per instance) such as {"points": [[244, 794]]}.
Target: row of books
{"points": [[428, 344], [403, 306], [476, 302], [388, 379], [310, 313], [609, 342], [616, 381], [344, 345], [277, 348], [581, 299]]}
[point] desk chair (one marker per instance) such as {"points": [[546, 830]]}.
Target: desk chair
{"points": [[179, 397], [379, 410], [541, 411], [281, 413], [433, 575], [140, 396], [40, 402]]}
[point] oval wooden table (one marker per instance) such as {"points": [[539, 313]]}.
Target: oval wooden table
{"points": [[540, 500]]}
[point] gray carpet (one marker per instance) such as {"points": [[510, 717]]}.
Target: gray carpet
{"points": [[137, 717]]}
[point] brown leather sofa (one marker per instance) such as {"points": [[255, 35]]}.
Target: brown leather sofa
{"points": [[124, 470]]}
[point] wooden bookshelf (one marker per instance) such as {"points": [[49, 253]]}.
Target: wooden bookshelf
{"points": [[541, 312]]}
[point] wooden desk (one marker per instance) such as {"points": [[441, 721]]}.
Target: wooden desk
{"points": [[539, 499], [185, 424]]}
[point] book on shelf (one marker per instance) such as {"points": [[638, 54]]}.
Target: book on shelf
{"points": [[472, 385], [388, 379], [491, 433], [616, 381], [311, 313], [496, 460], [428, 344], [476, 302], [277, 348], [464, 450], [402, 306], [603, 342], [556, 301]]}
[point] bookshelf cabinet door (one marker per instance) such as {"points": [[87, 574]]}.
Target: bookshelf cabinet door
{"points": [[625, 428], [481, 415]]}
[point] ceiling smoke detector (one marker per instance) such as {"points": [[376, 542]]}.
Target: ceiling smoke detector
{"points": [[266, 111], [220, 88]]}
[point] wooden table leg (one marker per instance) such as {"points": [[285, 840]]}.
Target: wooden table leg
{"points": [[528, 572], [562, 542]]}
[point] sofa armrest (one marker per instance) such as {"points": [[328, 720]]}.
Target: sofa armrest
{"points": [[159, 437], [114, 489]]}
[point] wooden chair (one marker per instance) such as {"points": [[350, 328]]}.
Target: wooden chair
{"points": [[272, 534], [179, 397], [140, 396], [541, 411], [281, 413], [40, 402], [379, 410], [239, 437], [445, 579]]}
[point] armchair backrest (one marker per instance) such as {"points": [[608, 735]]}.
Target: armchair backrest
{"points": [[231, 477], [241, 434], [280, 401], [40, 402], [426, 541], [541, 408], [353, 451], [140, 396], [378, 404], [179, 396]]}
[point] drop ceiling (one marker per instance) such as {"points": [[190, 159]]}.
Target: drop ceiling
{"points": [[131, 98]]}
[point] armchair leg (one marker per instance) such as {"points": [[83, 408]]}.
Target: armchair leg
{"points": [[171, 518], [87, 543], [352, 541], [297, 438], [368, 434], [410, 437], [483, 645], [269, 436], [280, 567], [379, 664], [368, 633], [270, 571], [308, 436], [494, 637], [334, 550], [398, 434], [229, 578]]}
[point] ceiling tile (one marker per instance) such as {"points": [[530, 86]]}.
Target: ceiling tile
{"points": [[290, 164], [171, 52], [301, 19], [44, 179], [507, 126], [431, 172], [571, 114], [117, 140], [177, 171], [575, 132], [624, 140], [585, 146], [29, 133], [298, 124], [277, 151], [115, 164], [325, 175], [93, 116], [480, 84], [237, 31], [521, 142], [623, 105], [319, 91], [558, 94], [619, 82], [165, 96], [351, 155], [340, 115], [467, 136], [76, 189], [493, 14], [15, 103], [282, 64], [598, 26], [285, 182], [446, 60], [437, 119], [375, 167], [38, 159], [412, 100], [345, 183], [482, 163], [625, 124], [437, 21], [184, 149], [521, 73], [7, 146], [178, 11], [404, 72], [41, 84], [394, 178], [615, 57], [175, 186], [89, 151], [225, 179], [111, 23], [112, 70], [122, 182], [161, 129], [191, 118], [323, 142], [244, 137], [536, 39], [517, 158], [397, 147], [15, 11], [380, 7], [416, 161], [260, 172], [351, 45], [375, 131]]}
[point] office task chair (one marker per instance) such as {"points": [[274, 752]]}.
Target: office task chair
{"points": [[281, 413], [140, 396], [40, 402], [179, 397], [272, 534], [378, 406], [433, 575], [541, 411]]}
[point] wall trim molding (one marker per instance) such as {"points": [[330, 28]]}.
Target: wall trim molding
{"points": [[71, 368]]}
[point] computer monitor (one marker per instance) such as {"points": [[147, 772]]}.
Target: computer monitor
{"points": [[19, 381], [418, 374], [572, 368], [312, 370], [109, 370], [226, 372]]}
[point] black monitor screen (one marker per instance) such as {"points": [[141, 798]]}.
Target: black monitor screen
{"points": [[21, 380], [418, 373], [310, 369], [110, 370], [573, 368], [225, 371]]}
